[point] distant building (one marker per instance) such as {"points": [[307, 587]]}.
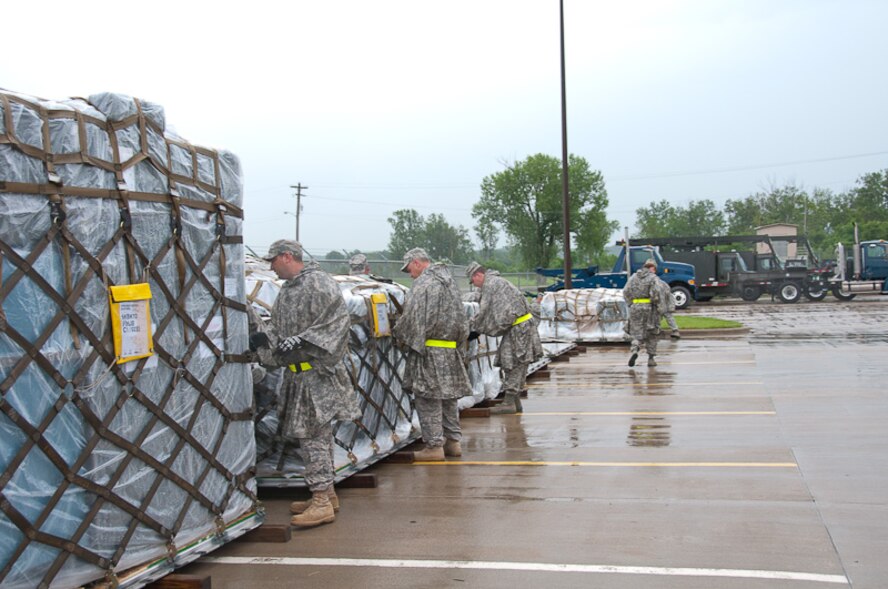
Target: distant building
{"points": [[783, 249]]}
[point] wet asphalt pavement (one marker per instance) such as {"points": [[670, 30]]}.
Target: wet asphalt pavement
{"points": [[758, 460]]}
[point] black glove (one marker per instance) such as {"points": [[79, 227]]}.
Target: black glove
{"points": [[288, 345], [473, 335], [258, 340]]}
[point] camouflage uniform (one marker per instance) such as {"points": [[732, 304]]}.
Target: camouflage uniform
{"points": [[666, 304], [311, 306], [500, 306], [644, 317], [436, 375]]}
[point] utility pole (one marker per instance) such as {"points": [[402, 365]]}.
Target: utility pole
{"points": [[299, 188], [565, 190]]}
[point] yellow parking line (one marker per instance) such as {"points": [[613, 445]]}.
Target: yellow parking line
{"points": [[635, 413], [613, 464]]}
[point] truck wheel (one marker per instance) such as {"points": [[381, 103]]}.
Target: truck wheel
{"points": [[837, 292], [682, 296], [750, 293], [817, 293], [789, 292]]}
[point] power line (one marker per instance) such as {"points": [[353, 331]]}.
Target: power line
{"points": [[744, 168]]}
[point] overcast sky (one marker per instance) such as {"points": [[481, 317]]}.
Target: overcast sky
{"points": [[377, 106]]}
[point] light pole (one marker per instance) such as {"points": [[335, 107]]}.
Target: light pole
{"points": [[565, 194]]}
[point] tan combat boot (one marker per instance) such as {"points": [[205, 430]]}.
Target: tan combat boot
{"points": [[319, 512], [511, 404], [651, 361], [452, 448], [427, 454], [300, 506]]}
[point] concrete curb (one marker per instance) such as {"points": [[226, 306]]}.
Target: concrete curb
{"points": [[705, 333]]}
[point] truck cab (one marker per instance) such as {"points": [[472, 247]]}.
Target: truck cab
{"points": [[679, 276]]}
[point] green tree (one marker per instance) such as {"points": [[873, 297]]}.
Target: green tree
{"points": [[525, 200], [655, 220], [867, 205], [408, 231], [443, 240], [661, 219], [438, 237]]}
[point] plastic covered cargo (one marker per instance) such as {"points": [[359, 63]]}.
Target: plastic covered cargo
{"points": [[126, 431], [583, 315], [389, 421]]}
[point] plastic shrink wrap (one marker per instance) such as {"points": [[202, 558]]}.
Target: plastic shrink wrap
{"points": [[583, 315], [112, 469], [389, 421]]}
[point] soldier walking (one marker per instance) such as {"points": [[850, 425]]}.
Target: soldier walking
{"points": [[308, 334], [640, 293], [504, 312], [433, 330]]}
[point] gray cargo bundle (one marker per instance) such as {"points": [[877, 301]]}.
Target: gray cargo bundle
{"points": [[114, 469], [583, 315]]}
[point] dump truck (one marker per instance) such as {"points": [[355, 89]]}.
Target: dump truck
{"points": [[679, 276]]}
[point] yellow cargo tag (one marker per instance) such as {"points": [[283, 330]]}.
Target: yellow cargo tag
{"points": [[131, 321], [381, 325]]}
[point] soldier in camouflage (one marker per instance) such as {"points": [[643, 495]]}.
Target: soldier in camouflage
{"points": [[641, 295], [433, 329], [308, 334], [666, 305], [504, 312]]}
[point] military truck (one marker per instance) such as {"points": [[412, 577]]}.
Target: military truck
{"points": [[679, 276]]}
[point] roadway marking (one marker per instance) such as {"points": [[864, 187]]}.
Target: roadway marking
{"points": [[588, 364], [526, 566], [645, 413], [555, 382], [608, 464]]}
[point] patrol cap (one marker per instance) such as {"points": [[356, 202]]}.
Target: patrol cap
{"points": [[416, 253], [358, 262], [472, 268], [650, 263], [282, 246]]}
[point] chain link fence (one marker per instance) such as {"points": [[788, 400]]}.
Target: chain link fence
{"points": [[530, 282]]}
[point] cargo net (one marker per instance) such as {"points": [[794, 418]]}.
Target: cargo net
{"points": [[106, 466], [376, 366], [583, 315]]}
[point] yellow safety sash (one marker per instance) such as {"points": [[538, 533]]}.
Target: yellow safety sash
{"points": [[302, 367], [522, 319], [440, 343], [636, 301]]}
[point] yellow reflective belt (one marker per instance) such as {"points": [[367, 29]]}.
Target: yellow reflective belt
{"points": [[636, 301], [440, 343], [303, 366], [522, 319]]}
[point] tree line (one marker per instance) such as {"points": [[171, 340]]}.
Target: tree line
{"points": [[826, 218], [523, 202]]}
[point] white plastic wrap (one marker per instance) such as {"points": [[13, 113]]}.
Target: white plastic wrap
{"points": [[377, 365], [69, 417], [583, 315]]}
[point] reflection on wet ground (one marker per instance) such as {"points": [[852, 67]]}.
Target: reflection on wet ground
{"points": [[649, 431], [862, 321]]}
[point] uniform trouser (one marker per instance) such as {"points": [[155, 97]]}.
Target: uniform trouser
{"points": [[670, 321], [438, 418], [648, 339], [317, 453], [513, 379]]}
